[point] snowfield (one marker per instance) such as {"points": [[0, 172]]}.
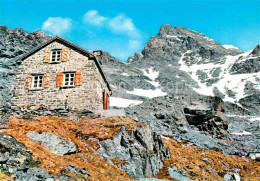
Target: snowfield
{"points": [[149, 93], [120, 102], [228, 82]]}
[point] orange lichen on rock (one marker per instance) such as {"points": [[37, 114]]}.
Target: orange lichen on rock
{"points": [[77, 132], [117, 161], [203, 164]]}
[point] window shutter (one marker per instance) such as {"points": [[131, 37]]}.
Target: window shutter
{"points": [[28, 81], [64, 54], [78, 78], [59, 79], [46, 57], [46, 81]]}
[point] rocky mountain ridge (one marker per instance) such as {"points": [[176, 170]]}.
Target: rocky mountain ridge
{"points": [[16, 42]]}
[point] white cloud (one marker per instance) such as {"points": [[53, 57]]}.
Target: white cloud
{"points": [[135, 44], [120, 24], [57, 25], [92, 17], [123, 25], [118, 34]]}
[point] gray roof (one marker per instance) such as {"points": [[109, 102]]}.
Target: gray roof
{"points": [[72, 45]]}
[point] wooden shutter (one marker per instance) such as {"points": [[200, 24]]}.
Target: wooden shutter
{"points": [[78, 78], [64, 54], [46, 57], [105, 97], [46, 80], [28, 81], [59, 79]]}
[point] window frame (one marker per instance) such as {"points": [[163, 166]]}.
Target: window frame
{"points": [[56, 56], [69, 79], [38, 81]]}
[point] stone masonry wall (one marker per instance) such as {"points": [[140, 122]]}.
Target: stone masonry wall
{"points": [[89, 95]]}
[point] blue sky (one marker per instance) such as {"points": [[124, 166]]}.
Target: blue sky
{"points": [[123, 27]]}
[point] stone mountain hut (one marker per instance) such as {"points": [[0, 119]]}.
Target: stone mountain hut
{"points": [[61, 75]]}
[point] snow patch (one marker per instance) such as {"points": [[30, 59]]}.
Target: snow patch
{"points": [[242, 133], [152, 74], [230, 47], [147, 93], [254, 119], [125, 74], [121, 102]]}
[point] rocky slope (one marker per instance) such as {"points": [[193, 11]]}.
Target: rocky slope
{"points": [[115, 148], [16, 42]]}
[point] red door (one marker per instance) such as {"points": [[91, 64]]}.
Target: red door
{"points": [[105, 100]]}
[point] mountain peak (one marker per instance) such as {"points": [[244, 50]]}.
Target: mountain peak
{"points": [[173, 42], [4, 29], [169, 30], [256, 51], [40, 33]]}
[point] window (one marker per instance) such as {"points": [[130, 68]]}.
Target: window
{"points": [[69, 79], [55, 55], [37, 81]]}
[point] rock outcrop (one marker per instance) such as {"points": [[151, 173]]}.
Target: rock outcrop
{"points": [[18, 164], [54, 143], [143, 151], [197, 120]]}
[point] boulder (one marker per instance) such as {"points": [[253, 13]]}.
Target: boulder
{"points": [[53, 142]]}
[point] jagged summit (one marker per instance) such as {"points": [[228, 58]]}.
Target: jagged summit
{"points": [[256, 51], [16, 42], [173, 42], [5, 31], [177, 30]]}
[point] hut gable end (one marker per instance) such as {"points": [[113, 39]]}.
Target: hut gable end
{"points": [[60, 74]]}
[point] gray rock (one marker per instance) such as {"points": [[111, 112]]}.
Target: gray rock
{"points": [[32, 174], [179, 175], [143, 151], [16, 160], [54, 143], [254, 156], [232, 177], [78, 171], [206, 159], [250, 65], [256, 51], [49, 179]]}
